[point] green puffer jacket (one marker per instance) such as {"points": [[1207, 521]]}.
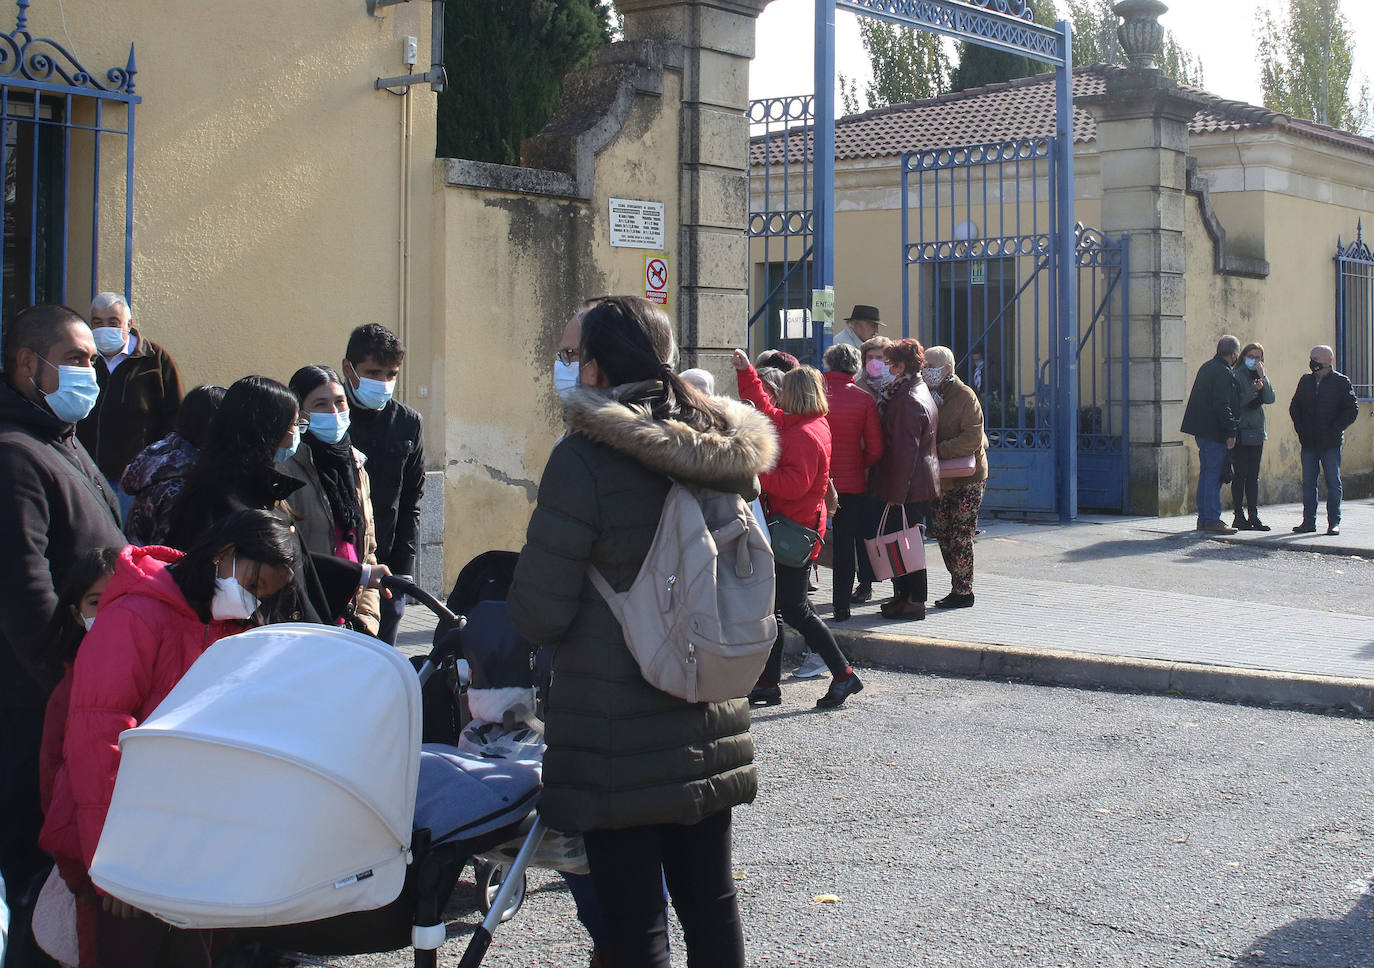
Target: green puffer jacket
{"points": [[620, 752], [1252, 401]]}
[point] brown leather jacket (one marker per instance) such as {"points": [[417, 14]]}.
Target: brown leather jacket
{"points": [[908, 471]]}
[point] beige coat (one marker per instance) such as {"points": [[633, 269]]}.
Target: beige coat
{"points": [[960, 433], [310, 513]]}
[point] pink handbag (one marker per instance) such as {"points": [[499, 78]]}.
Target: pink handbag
{"points": [[958, 466], [898, 553]]}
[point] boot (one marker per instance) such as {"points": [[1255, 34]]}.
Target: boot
{"points": [[1239, 522]]}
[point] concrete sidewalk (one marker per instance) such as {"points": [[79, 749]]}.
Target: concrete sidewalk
{"points": [[1140, 604]]}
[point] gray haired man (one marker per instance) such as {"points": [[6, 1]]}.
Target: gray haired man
{"points": [[1323, 406]]}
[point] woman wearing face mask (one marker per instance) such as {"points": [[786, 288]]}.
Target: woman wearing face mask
{"points": [[908, 473], [257, 427], [959, 440], [873, 375], [162, 609], [1255, 392], [333, 511]]}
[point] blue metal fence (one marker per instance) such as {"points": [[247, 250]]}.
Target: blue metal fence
{"points": [[1355, 313], [56, 116]]}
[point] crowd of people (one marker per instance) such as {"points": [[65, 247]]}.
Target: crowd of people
{"points": [[143, 526], [1225, 415]]}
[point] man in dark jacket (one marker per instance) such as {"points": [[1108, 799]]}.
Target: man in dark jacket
{"points": [[1212, 416], [1323, 406], [57, 506], [391, 436], [140, 393]]}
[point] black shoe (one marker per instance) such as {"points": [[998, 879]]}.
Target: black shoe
{"points": [[1307, 527], [839, 691], [1257, 525], [955, 601], [862, 594], [840, 615], [1240, 524], [1334, 529], [762, 695]]}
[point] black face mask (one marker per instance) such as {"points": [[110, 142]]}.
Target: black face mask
{"points": [[1316, 367]]}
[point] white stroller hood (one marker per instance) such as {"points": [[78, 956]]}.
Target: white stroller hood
{"points": [[275, 784]]}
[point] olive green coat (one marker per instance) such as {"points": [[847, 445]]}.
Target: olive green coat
{"points": [[620, 752]]}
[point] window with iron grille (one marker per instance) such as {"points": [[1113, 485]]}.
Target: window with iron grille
{"points": [[1355, 313]]}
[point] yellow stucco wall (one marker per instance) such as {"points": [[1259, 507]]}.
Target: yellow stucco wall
{"points": [[514, 268], [268, 178]]}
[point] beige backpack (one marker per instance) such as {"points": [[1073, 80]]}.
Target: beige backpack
{"points": [[699, 617]]}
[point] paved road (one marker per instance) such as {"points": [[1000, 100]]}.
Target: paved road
{"points": [[982, 823]]}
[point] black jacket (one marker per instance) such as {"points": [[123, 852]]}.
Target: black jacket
{"points": [[1213, 411], [137, 406], [621, 753], [1322, 411], [392, 439], [56, 507]]}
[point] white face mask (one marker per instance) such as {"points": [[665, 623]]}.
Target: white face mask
{"points": [[565, 376], [109, 340], [232, 600], [88, 621]]}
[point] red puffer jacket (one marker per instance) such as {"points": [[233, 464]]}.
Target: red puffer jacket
{"points": [[855, 433], [796, 486], [144, 639]]}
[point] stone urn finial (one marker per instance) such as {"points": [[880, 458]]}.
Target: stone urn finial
{"points": [[1141, 34]]}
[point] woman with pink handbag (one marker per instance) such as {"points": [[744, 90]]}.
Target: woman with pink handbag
{"points": [[963, 451], [908, 475]]}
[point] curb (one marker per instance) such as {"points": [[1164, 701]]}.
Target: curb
{"points": [[1057, 667], [1304, 543]]}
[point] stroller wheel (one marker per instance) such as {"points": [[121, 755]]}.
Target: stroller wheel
{"points": [[490, 877]]}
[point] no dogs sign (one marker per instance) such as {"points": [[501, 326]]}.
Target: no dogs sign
{"points": [[656, 279]]}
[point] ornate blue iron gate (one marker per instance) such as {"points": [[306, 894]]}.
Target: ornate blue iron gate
{"points": [[979, 231], [55, 116], [1355, 313]]}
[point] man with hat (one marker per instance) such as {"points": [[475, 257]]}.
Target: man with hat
{"points": [[863, 326]]}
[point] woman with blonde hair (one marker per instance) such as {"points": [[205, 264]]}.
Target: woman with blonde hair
{"points": [[962, 448], [795, 490]]}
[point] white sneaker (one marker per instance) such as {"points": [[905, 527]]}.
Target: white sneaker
{"points": [[812, 665]]}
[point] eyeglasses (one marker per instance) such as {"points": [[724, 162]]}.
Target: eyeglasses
{"points": [[303, 424], [568, 356]]}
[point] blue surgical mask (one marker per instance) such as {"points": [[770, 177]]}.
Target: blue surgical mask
{"points": [[286, 453], [565, 376], [329, 428], [76, 393], [110, 340], [374, 394], [1250, 362]]}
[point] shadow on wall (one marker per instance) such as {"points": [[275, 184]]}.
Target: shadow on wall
{"points": [[1318, 942]]}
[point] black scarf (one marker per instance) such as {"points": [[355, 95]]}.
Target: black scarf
{"points": [[339, 479]]}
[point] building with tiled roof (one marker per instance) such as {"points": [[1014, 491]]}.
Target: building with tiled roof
{"points": [[1253, 205]]}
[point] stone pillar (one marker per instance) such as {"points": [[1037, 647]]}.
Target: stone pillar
{"points": [[717, 39], [1142, 138]]}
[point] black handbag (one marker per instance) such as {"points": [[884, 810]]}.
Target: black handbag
{"points": [[1251, 436]]}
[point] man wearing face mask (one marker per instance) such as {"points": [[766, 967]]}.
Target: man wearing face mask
{"points": [[390, 435], [140, 392], [1323, 406], [57, 506]]}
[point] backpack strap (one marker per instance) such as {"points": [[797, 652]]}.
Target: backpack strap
{"points": [[614, 599]]}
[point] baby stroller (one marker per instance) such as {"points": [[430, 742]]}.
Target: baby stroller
{"points": [[281, 790]]}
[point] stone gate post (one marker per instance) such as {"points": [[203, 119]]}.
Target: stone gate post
{"points": [[717, 39]]}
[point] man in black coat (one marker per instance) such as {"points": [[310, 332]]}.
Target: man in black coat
{"points": [[391, 436], [1323, 406], [56, 507], [1213, 417]]}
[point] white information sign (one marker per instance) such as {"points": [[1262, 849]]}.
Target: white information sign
{"points": [[636, 225]]}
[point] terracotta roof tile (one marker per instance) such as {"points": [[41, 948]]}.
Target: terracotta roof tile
{"points": [[1012, 110]]}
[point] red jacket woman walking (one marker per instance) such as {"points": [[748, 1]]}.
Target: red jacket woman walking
{"points": [[795, 489]]}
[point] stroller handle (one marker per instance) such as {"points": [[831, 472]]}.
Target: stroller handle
{"points": [[405, 585]]}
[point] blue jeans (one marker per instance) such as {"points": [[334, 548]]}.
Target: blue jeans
{"points": [[1212, 457], [1329, 462]]}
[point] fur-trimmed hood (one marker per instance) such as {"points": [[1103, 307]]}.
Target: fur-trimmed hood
{"points": [[729, 459]]}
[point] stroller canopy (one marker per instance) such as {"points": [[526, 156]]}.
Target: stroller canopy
{"points": [[275, 784]]}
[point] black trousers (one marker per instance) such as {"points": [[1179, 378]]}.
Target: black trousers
{"points": [[855, 519], [629, 867], [1245, 468], [790, 595], [22, 864]]}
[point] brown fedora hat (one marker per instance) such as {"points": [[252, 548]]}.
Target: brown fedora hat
{"points": [[865, 313]]}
